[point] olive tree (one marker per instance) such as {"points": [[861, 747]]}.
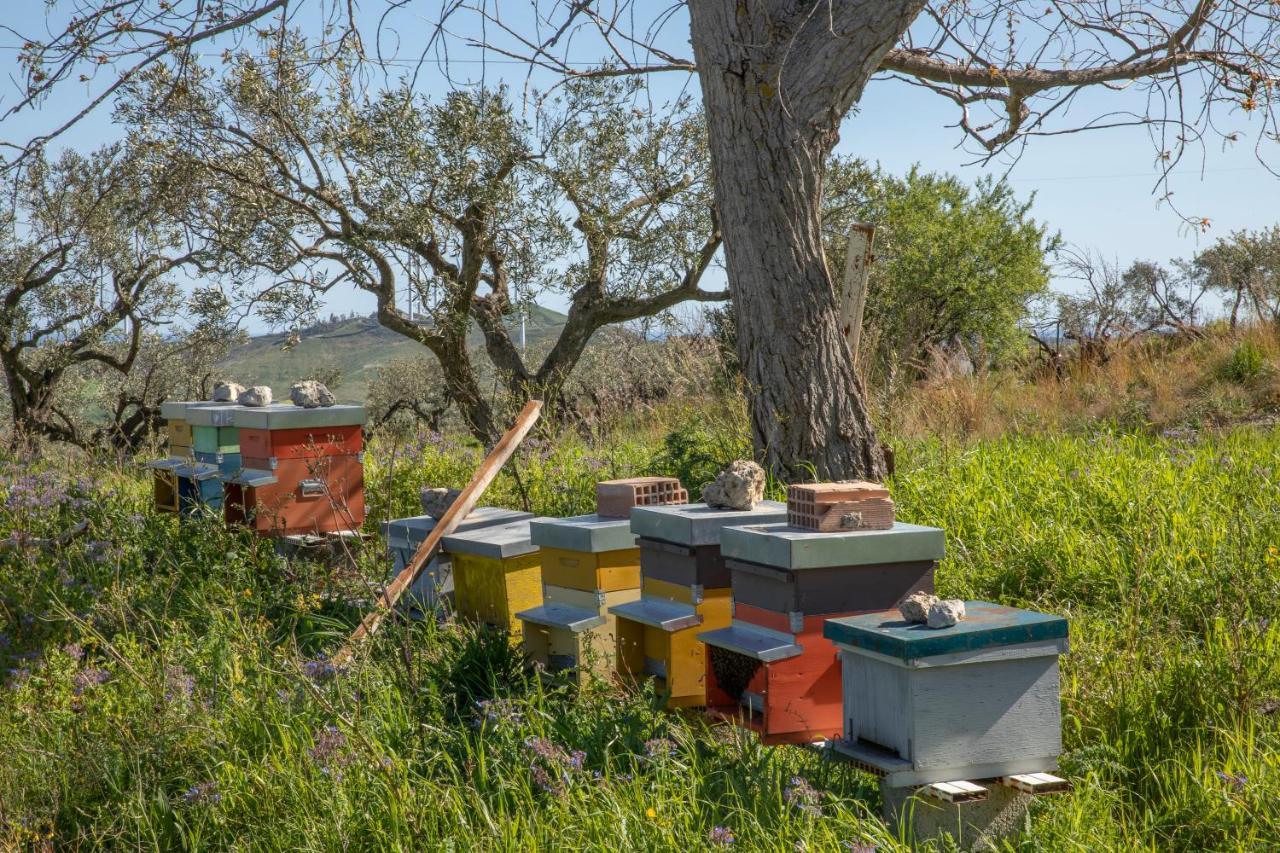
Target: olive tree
{"points": [[452, 213], [777, 79], [89, 249]]}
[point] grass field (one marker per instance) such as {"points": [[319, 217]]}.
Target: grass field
{"points": [[166, 685]]}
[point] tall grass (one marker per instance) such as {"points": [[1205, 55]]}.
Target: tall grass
{"points": [[166, 685]]}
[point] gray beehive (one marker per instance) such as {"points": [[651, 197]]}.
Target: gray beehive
{"points": [[974, 701]]}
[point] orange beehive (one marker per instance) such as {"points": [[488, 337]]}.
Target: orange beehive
{"points": [[298, 496], [301, 443]]}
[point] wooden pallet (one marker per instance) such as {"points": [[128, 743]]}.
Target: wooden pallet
{"points": [[958, 791], [1036, 783]]}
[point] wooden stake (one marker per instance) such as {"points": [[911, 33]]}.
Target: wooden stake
{"points": [[853, 297], [458, 511]]}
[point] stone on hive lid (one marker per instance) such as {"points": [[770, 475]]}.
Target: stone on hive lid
{"points": [[616, 498], [311, 394], [589, 533], [915, 607], [699, 524], [945, 612], [499, 541], [787, 547], [227, 392], [436, 502], [258, 395], [739, 486], [829, 507]]}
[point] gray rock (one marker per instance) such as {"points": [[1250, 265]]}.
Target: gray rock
{"points": [[739, 486], [916, 606], [945, 612], [227, 392], [311, 394], [258, 395], [436, 502]]}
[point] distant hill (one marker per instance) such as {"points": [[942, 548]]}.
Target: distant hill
{"points": [[357, 347]]}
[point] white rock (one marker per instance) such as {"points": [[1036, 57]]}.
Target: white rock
{"points": [[916, 606], [945, 612], [311, 394], [258, 395], [436, 502], [738, 486], [227, 392]]}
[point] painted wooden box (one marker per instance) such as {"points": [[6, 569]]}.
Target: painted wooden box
{"points": [[496, 574], [771, 669], [404, 535], [974, 701], [589, 564], [179, 434], [684, 589], [199, 488], [164, 484], [339, 440], [226, 462], [298, 496]]}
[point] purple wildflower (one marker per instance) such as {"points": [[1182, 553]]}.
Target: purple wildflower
{"points": [[205, 792], [659, 747], [18, 676], [799, 794], [321, 670], [1236, 781], [178, 683], [330, 751], [546, 781], [74, 651], [721, 835], [88, 677], [860, 847], [496, 712]]}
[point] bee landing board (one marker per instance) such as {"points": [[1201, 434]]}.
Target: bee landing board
{"points": [[616, 498], [832, 507]]}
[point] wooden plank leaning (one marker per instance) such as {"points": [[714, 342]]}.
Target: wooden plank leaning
{"points": [[466, 502]]}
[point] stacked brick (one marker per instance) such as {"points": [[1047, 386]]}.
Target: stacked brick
{"points": [[617, 498], [771, 669], [684, 586]]}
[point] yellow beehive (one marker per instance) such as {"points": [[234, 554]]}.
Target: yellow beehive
{"points": [[496, 574], [179, 434], [573, 629], [164, 488]]}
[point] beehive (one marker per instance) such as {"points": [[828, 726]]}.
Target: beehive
{"points": [[404, 535], [496, 574], [771, 669], [684, 588], [616, 498], [165, 486], [306, 485], [589, 564], [977, 700], [199, 487]]}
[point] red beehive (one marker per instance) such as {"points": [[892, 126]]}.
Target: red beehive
{"points": [[298, 496], [301, 443]]}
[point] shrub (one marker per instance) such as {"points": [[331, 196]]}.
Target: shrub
{"points": [[1245, 362]]}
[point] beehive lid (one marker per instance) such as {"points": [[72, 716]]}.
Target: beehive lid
{"points": [[197, 471], [252, 477], [789, 547], [754, 642], [417, 528], [176, 410], [699, 524], [589, 533], [166, 464], [985, 626], [289, 416], [659, 613], [566, 616], [498, 541], [210, 414]]}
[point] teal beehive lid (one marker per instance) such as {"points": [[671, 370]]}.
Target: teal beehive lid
{"points": [[699, 524], [985, 626], [589, 533], [787, 547]]}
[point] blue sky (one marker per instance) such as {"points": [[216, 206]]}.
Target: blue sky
{"points": [[1094, 188]]}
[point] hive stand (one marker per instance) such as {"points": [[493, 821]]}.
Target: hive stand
{"points": [[962, 724], [589, 564], [311, 481], [404, 535], [496, 574], [684, 589], [772, 670]]}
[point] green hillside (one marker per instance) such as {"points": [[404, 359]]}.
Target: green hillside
{"points": [[354, 348]]}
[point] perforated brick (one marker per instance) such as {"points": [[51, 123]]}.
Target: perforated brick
{"points": [[831, 507], [616, 498]]}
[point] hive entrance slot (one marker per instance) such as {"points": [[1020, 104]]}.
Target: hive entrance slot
{"points": [[733, 671]]}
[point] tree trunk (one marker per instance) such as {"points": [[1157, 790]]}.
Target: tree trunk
{"points": [[776, 82]]}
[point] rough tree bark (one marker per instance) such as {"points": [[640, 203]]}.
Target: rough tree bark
{"points": [[777, 78]]}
